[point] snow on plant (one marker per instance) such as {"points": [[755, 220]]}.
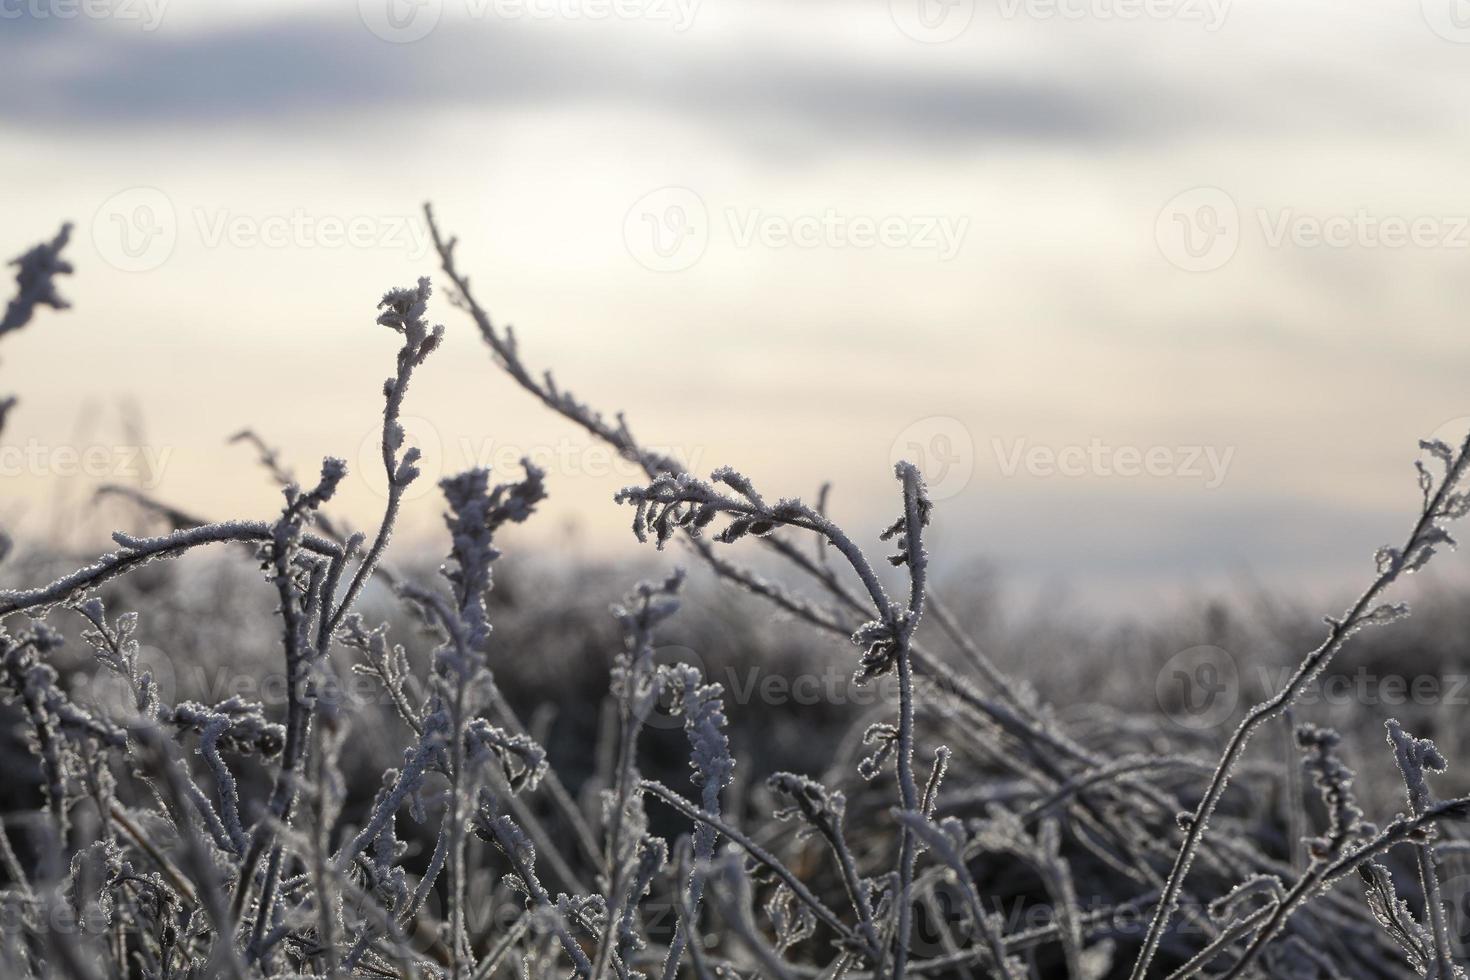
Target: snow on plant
{"points": [[196, 839], [35, 281]]}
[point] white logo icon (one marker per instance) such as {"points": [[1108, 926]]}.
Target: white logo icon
{"points": [[135, 230], [943, 451], [1450, 19], [667, 230], [1199, 230], [1199, 687], [417, 433], [400, 21], [932, 21]]}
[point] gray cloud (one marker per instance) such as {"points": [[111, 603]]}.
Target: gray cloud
{"points": [[298, 70]]}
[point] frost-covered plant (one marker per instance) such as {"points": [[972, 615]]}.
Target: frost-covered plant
{"points": [[1112, 805], [35, 285], [35, 281], [1349, 844], [1416, 758], [1443, 501], [190, 838], [674, 502]]}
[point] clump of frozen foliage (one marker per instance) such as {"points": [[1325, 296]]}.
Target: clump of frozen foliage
{"points": [[35, 281], [198, 840]]}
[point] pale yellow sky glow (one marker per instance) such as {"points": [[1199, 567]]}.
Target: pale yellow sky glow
{"points": [[1162, 292]]}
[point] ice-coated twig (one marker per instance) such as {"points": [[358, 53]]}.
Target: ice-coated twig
{"points": [[825, 812], [909, 532], [704, 723], [636, 683], [403, 310], [1035, 736], [687, 871], [1441, 504], [760, 854], [947, 841], [522, 856], [1403, 829], [158, 761], [35, 281], [297, 602], [134, 552], [733, 899], [1416, 758]]}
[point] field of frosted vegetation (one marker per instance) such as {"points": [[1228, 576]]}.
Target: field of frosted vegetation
{"points": [[269, 748]]}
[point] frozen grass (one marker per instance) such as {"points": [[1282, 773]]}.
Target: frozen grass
{"points": [[961, 828]]}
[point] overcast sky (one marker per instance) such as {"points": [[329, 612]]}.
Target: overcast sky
{"points": [[1160, 291]]}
